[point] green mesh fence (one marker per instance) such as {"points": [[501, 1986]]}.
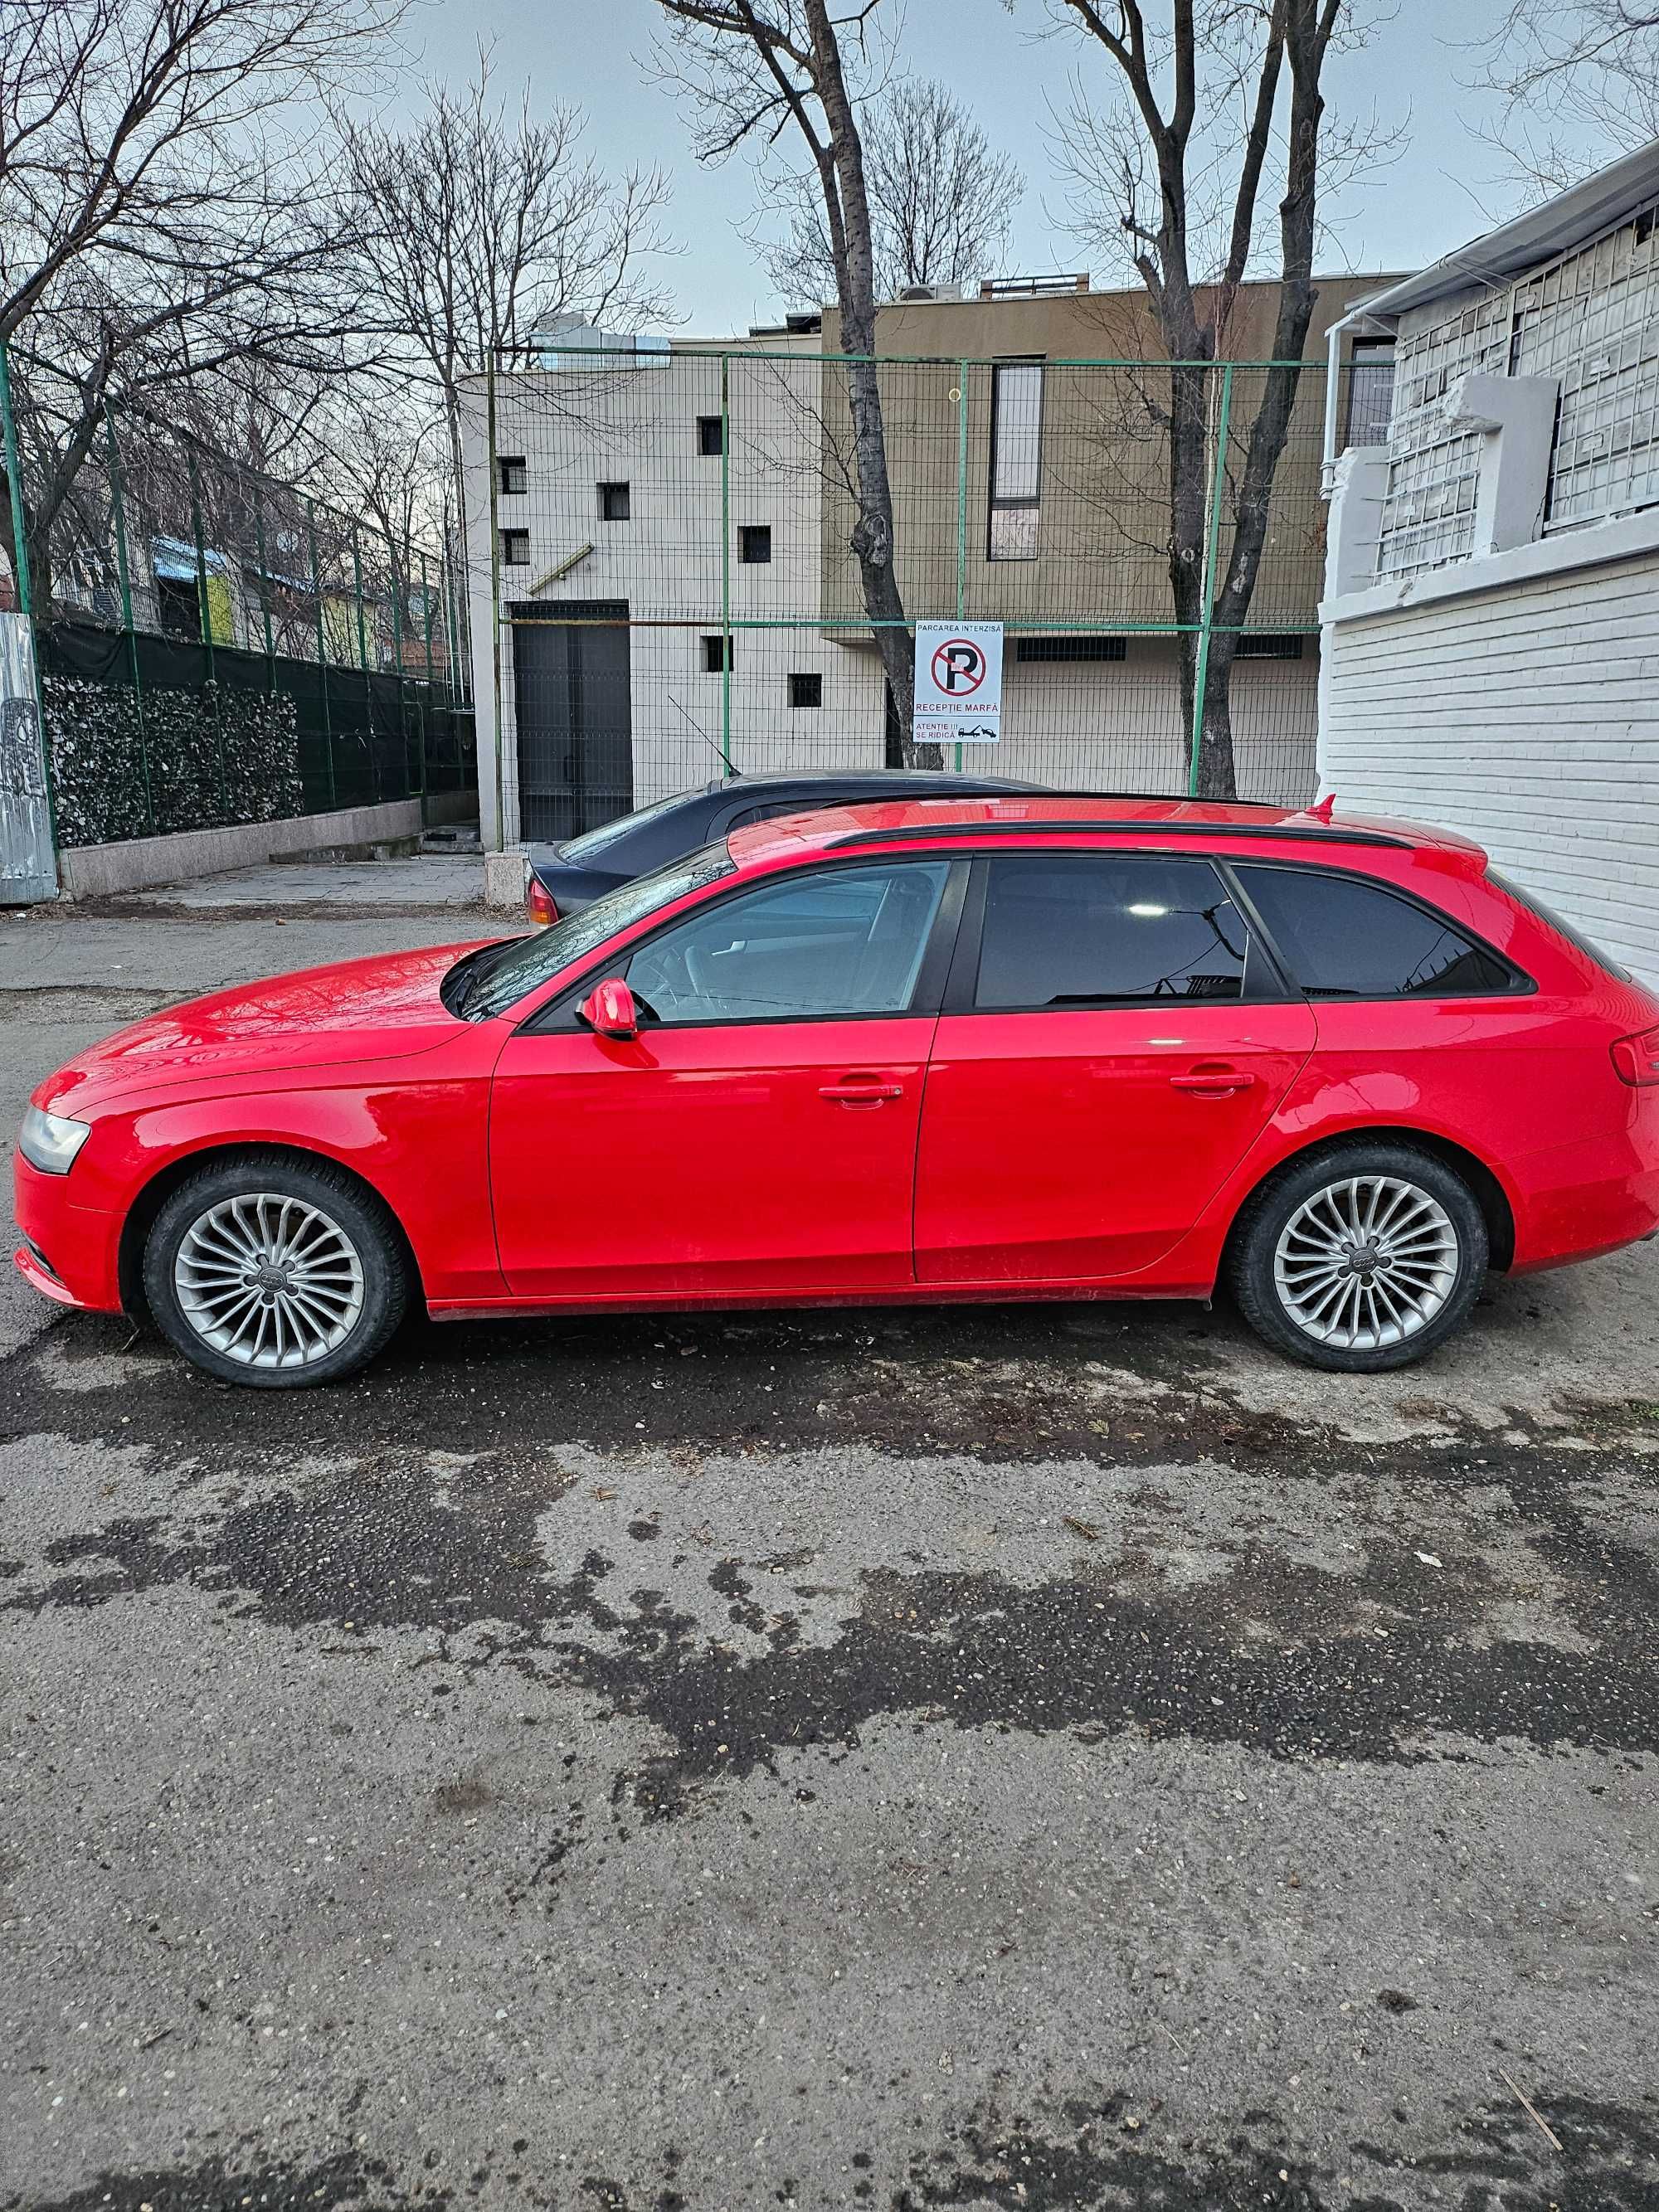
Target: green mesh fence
{"points": [[664, 540], [215, 646]]}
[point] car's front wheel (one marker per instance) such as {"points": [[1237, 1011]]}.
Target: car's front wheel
{"points": [[274, 1273], [1361, 1258]]}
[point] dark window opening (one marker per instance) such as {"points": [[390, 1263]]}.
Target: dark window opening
{"points": [[179, 603], [1016, 460], [1341, 939], [514, 474], [613, 502], [515, 549], [1070, 648], [805, 689], [755, 542], [1080, 930], [711, 434], [1371, 392], [1267, 645], [718, 655]]}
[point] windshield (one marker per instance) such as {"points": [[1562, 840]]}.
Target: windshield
{"points": [[503, 975], [592, 842]]}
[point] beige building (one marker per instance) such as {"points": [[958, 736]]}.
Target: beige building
{"points": [[665, 527]]}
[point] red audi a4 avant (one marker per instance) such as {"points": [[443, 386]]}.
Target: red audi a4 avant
{"points": [[1030, 1048]]}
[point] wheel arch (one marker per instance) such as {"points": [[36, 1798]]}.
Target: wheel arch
{"points": [[154, 1195], [1484, 1185]]}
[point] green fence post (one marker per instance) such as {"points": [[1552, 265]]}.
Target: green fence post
{"points": [[363, 663], [264, 581], [725, 562], [322, 651], [19, 554], [206, 612], [426, 624], [398, 657], [1212, 545], [494, 467], [962, 504], [119, 508]]}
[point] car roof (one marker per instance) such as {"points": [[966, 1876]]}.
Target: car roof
{"points": [[881, 821]]}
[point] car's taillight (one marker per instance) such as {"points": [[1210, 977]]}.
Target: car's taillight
{"points": [[1637, 1058], [539, 900]]}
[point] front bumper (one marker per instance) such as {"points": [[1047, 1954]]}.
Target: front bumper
{"points": [[71, 1254]]}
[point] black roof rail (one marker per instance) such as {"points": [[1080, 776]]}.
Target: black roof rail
{"points": [[1280, 832]]}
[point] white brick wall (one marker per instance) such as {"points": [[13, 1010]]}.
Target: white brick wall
{"points": [[1527, 717]]}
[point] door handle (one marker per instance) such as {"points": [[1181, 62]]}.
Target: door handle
{"points": [[1218, 1082], [861, 1090]]}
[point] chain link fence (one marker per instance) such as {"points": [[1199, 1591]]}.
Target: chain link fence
{"points": [[663, 538], [212, 646]]}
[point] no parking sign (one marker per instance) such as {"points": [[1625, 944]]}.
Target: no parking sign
{"points": [[958, 684]]}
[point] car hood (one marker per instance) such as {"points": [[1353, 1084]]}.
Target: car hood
{"points": [[383, 1008]]}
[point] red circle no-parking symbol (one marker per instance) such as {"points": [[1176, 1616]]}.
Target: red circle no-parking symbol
{"points": [[959, 668]]}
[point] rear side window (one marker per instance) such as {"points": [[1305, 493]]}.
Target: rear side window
{"points": [[1342, 939], [1560, 925], [1078, 929]]}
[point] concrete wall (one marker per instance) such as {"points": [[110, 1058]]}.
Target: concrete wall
{"points": [[104, 870]]}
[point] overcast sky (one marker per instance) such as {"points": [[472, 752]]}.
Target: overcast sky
{"points": [[1445, 185]]}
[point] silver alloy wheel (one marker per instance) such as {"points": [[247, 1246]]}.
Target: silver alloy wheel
{"points": [[1366, 1262], [269, 1280]]}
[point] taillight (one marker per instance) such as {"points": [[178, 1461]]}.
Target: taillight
{"points": [[540, 902], [1637, 1058]]}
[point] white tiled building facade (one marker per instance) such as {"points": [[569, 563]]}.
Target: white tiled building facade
{"points": [[1490, 628]]}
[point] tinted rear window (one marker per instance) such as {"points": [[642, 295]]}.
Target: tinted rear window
{"points": [[1342, 939], [1073, 929], [1559, 924]]}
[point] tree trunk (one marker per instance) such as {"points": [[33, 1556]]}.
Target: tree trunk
{"points": [[871, 542]]}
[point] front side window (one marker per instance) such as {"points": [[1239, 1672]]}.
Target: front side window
{"points": [[1082, 929], [834, 943], [1342, 939], [493, 982]]}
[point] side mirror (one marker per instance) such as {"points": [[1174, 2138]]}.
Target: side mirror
{"points": [[609, 1010]]}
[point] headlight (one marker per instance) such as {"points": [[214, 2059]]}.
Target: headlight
{"points": [[50, 1142]]}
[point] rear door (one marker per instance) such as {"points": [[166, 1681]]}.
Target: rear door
{"points": [[1113, 1043]]}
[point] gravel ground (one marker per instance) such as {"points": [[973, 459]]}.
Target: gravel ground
{"points": [[1044, 1757]]}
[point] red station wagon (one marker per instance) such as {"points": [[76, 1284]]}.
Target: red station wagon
{"points": [[1032, 1048]]}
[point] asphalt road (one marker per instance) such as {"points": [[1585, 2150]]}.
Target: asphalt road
{"points": [[1041, 1757]]}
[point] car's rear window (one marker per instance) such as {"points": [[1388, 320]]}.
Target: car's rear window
{"points": [[1560, 925], [1343, 939], [593, 843]]}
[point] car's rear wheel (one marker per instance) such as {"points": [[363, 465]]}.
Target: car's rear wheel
{"points": [[274, 1273], [1362, 1258]]}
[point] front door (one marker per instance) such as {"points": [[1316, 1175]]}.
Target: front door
{"points": [[758, 1137], [571, 690], [1099, 1071]]}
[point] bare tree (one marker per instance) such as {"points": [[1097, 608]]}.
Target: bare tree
{"points": [[757, 67], [941, 200], [481, 228], [1579, 80], [1214, 104], [161, 219]]}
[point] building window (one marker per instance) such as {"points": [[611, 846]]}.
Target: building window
{"points": [[711, 437], [514, 476], [805, 689], [1371, 392], [717, 654], [1077, 647], [1268, 645], [613, 502], [515, 549], [1016, 460], [755, 542]]}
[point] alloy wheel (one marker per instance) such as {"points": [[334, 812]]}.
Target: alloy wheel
{"points": [[269, 1280], [1366, 1262]]}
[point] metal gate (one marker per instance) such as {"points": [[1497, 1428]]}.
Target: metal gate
{"points": [[572, 690], [28, 865]]}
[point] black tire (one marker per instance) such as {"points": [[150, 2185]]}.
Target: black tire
{"points": [[1280, 1303], [364, 1315]]}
